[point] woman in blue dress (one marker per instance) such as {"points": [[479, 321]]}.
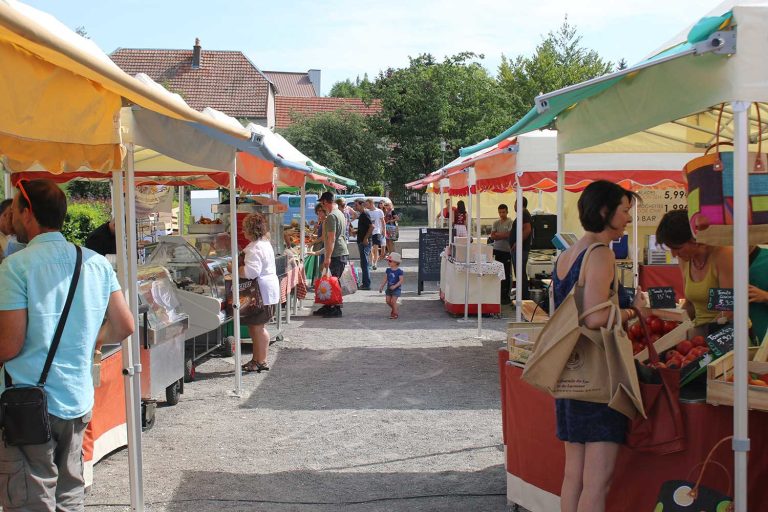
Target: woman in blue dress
{"points": [[592, 432]]}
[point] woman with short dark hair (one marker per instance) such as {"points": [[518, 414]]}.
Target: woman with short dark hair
{"points": [[592, 432], [259, 263], [703, 266]]}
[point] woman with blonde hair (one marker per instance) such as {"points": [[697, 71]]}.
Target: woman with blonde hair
{"points": [[259, 263]]}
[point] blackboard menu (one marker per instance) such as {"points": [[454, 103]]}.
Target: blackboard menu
{"points": [[720, 299], [662, 297], [432, 242], [721, 342]]}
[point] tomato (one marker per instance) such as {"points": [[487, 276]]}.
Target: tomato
{"points": [[636, 331], [684, 347], [675, 363], [698, 341], [669, 326], [758, 382], [637, 347], [674, 354], [654, 338], [650, 318], [657, 326]]}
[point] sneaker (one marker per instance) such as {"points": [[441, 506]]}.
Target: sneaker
{"points": [[323, 310], [373, 267], [333, 313]]}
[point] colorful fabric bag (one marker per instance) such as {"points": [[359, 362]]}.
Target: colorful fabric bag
{"points": [[328, 290]]}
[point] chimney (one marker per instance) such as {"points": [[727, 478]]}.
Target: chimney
{"points": [[196, 51], [314, 79]]}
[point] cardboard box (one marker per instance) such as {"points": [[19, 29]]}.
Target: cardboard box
{"points": [[521, 339]]}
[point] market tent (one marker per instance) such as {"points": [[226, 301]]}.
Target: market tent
{"points": [[664, 105]]}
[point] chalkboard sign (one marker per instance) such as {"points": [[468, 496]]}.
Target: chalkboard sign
{"points": [[721, 342], [720, 299], [432, 241], [662, 297]]}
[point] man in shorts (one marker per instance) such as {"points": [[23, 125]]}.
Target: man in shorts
{"points": [[379, 228]]}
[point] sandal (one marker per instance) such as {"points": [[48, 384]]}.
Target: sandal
{"points": [[255, 366], [393, 317]]}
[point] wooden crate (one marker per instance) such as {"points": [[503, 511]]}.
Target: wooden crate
{"points": [[521, 337], [720, 392], [684, 331]]}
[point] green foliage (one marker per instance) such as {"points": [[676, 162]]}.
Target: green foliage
{"points": [[349, 89], [342, 141], [82, 218], [88, 190], [412, 216], [559, 61], [376, 189], [455, 100]]}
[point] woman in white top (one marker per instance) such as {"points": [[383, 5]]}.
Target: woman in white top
{"points": [[259, 263]]}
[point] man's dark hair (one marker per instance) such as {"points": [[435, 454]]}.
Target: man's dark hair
{"points": [[674, 229], [502, 206], [49, 204], [327, 197], [5, 204], [600, 195]]}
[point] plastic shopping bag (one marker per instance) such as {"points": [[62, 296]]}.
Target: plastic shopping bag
{"points": [[328, 290], [348, 281]]}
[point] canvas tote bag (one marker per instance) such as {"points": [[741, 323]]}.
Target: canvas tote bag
{"points": [[595, 365]]}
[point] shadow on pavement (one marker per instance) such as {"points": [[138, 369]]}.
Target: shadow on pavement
{"points": [[453, 378], [323, 491]]}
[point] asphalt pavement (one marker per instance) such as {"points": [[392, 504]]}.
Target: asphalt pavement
{"points": [[358, 413]]}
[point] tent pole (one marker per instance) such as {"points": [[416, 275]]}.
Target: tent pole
{"points": [[7, 185], [445, 184], [480, 260], [468, 221], [635, 248], [560, 190], [440, 206], [235, 281], [303, 219], [740, 295], [181, 220], [131, 355], [519, 250]]}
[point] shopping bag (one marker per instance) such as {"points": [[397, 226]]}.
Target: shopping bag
{"points": [[571, 361], [687, 496], [250, 297], [710, 193], [662, 430], [393, 232], [347, 280], [328, 290]]}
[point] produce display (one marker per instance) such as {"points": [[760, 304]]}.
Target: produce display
{"points": [[206, 220], [656, 328], [685, 352]]}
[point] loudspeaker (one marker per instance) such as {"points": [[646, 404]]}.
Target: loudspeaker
{"points": [[544, 229]]}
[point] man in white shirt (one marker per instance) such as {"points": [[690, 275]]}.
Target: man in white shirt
{"points": [[377, 237]]}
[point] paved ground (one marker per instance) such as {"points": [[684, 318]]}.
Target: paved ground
{"points": [[360, 413]]}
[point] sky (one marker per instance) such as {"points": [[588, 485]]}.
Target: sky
{"points": [[349, 38]]}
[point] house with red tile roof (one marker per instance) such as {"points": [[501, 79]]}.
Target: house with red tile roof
{"points": [[225, 80], [287, 107], [298, 84]]}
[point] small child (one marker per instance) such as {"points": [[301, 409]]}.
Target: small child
{"points": [[393, 279]]}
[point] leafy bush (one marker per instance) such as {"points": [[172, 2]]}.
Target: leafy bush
{"points": [[412, 216], [82, 218]]}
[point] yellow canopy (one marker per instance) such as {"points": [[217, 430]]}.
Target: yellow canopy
{"points": [[63, 97]]}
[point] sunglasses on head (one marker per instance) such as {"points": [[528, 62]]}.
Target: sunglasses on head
{"points": [[26, 196]]}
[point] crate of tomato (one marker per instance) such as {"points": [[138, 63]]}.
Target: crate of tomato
{"points": [[720, 381]]}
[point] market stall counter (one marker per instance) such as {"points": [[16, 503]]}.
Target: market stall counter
{"points": [[529, 436], [484, 284]]}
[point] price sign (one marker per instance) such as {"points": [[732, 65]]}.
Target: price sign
{"points": [[720, 299], [655, 203], [721, 342], [662, 297]]}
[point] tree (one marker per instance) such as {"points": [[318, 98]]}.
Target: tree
{"points": [[455, 100], [342, 141], [558, 61], [349, 89]]}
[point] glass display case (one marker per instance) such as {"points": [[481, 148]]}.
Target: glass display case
{"points": [[197, 268], [157, 293]]}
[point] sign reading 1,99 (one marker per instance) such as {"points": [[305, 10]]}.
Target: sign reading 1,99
{"points": [[655, 203]]}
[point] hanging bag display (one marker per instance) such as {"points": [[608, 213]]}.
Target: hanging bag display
{"points": [[251, 301], [328, 290], [710, 192], [570, 360], [347, 281], [687, 496], [662, 430], [24, 409]]}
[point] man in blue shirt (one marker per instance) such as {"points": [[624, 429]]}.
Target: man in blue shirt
{"points": [[35, 283]]}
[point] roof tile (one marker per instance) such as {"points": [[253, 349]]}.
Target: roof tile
{"points": [[290, 83], [286, 105]]}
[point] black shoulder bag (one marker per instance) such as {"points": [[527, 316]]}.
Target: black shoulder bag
{"points": [[24, 409]]}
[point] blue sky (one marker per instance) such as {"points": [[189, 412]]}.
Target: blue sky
{"points": [[346, 38]]}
